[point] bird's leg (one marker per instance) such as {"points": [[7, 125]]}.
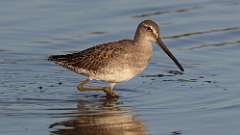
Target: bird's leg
{"points": [[81, 87], [109, 91]]}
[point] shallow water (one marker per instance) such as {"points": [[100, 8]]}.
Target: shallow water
{"points": [[38, 97]]}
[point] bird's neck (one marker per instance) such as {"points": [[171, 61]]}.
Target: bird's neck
{"points": [[143, 44], [141, 40], [143, 47]]}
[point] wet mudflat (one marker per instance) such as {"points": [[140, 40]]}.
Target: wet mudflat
{"points": [[38, 97]]}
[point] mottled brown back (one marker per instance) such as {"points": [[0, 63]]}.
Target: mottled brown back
{"points": [[92, 58]]}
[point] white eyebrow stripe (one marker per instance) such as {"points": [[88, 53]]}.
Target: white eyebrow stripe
{"points": [[153, 30], [145, 25]]}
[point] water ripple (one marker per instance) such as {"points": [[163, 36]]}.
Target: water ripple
{"points": [[221, 30], [156, 13], [222, 44]]}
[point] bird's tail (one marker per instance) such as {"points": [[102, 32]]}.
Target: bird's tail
{"points": [[57, 58], [63, 60]]}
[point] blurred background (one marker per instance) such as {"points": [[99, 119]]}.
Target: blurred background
{"points": [[38, 97]]}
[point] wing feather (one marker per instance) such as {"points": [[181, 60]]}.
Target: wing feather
{"points": [[92, 58]]}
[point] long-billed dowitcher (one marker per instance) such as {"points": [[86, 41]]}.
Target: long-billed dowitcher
{"points": [[117, 61]]}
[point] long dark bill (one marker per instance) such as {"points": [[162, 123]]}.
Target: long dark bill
{"points": [[167, 51]]}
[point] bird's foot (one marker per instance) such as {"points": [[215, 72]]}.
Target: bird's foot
{"points": [[109, 92]]}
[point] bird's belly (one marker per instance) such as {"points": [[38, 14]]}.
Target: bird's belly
{"points": [[118, 73], [114, 75]]}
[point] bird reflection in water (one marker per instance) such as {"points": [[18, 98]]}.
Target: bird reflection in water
{"points": [[103, 117]]}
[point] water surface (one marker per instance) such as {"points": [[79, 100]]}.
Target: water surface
{"points": [[38, 97]]}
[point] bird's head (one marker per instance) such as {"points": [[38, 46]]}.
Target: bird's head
{"points": [[149, 31]]}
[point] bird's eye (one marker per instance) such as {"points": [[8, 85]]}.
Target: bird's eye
{"points": [[149, 29]]}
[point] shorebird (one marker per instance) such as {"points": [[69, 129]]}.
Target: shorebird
{"points": [[117, 61]]}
